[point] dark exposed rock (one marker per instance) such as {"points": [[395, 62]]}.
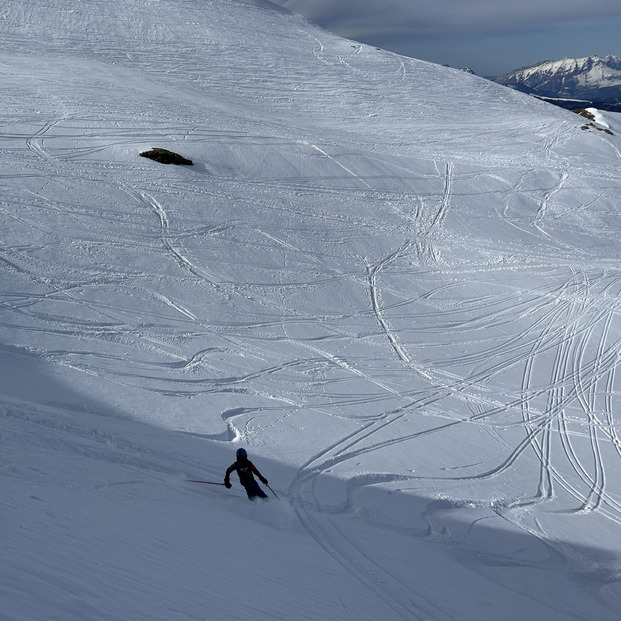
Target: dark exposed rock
{"points": [[163, 156]]}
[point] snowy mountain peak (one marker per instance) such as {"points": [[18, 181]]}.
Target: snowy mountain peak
{"points": [[588, 77]]}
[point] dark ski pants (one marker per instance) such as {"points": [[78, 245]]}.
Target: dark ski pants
{"points": [[253, 490]]}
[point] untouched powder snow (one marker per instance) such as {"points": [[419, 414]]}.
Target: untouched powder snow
{"points": [[395, 284]]}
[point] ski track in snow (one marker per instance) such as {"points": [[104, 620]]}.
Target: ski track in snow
{"points": [[394, 290], [566, 324]]}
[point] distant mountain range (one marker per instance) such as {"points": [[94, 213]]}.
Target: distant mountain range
{"points": [[571, 82]]}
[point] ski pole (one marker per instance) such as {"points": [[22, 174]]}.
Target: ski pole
{"points": [[206, 482], [271, 490]]}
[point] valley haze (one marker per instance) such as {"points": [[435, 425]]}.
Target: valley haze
{"points": [[395, 284]]}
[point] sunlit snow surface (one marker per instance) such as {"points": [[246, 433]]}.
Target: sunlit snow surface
{"points": [[396, 284]]}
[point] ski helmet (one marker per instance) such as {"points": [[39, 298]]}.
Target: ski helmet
{"points": [[241, 453]]}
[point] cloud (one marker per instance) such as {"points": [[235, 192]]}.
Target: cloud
{"points": [[377, 19]]}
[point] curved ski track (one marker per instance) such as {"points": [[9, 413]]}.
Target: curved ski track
{"points": [[567, 332]]}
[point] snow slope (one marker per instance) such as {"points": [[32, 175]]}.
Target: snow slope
{"points": [[396, 284]]}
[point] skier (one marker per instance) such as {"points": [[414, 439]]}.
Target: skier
{"points": [[245, 469]]}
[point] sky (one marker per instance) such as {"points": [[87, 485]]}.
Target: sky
{"points": [[489, 36]]}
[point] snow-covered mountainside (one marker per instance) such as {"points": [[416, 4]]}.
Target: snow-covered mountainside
{"points": [[593, 77], [395, 284]]}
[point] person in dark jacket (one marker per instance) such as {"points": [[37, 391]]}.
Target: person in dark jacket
{"points": [[246, 471]]}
